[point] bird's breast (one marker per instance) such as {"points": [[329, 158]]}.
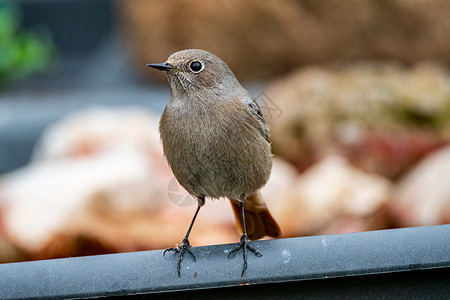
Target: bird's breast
{"points": [[216, 152]]}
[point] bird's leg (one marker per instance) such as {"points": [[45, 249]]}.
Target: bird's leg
{"points": [[185, 245], [244, 243]]}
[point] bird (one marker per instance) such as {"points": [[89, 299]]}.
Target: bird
{"points": [[216, 142]]}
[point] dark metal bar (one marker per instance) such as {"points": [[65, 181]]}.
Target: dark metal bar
{"points": [[415, 253]]}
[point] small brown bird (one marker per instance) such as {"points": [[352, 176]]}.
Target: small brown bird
{"points": [[216, 141]]}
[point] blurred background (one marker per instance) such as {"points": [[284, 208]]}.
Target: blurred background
{"points": [[357, 95]]}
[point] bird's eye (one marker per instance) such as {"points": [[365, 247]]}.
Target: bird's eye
{"points": [[196, 66]]}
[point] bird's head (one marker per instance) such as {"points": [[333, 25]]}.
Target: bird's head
{"points": [[192, 70]]}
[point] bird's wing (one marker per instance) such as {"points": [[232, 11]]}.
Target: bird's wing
{"points": [[256, 111]]}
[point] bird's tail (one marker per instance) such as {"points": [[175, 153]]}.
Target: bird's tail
{"points": [[258, 220]]}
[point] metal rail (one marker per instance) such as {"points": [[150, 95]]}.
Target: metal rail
{"points": [[412, 261]]}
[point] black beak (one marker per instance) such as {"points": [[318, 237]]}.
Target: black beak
{"points": [[161, 67]]}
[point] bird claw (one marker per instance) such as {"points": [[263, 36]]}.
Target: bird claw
{"points": [[185, 247], [245, 246]]}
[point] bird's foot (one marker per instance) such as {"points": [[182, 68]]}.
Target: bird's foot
{"points": [[245, 245], [185, 247]]}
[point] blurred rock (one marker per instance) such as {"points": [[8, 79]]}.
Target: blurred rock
{"points": [[282, 179], [82, 167], [334, 197], [263, 39], [44, 198], [383, 118], [98, 184], [423, 196], [100, 129], [8, 252]]}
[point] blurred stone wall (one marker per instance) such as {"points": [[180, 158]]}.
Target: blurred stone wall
{"points": [[263, 39]]}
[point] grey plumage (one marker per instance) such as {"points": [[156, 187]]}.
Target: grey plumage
{"points": [[213, 133], [216, 142]]}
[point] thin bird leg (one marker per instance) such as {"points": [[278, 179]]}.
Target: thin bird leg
{"points": [[244, 244], [185, 245]]}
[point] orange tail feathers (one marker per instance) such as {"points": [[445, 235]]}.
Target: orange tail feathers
{"points": [[258, 220]]}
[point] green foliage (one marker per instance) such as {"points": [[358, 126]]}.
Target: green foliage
{"points": [[22, 53]]}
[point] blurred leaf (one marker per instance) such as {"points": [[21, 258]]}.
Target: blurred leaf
{"points": [[22, 53], [9, 21]]}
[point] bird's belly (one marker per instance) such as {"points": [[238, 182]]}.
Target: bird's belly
{"points": [[213, 169]]}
